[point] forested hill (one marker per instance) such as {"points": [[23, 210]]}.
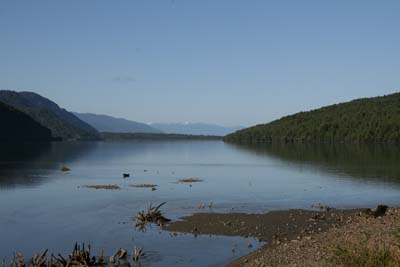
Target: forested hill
{"points": [[363, 120], [63, 124], [17, 126]]}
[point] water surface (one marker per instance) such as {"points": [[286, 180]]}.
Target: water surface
{"points": [[41, 207]]}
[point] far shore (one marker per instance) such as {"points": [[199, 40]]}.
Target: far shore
{"points": [[106, 136]]}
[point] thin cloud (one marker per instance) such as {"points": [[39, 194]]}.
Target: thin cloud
{"points": [[124, 79]]}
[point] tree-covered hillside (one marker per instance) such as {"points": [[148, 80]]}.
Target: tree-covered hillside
{"points": [[17, 126], [363, 120], [63, 124]]}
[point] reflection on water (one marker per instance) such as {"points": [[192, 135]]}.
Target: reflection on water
{"points": [[28, 164], [42, 207], [378, 161]]}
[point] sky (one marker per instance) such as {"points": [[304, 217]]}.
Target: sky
{"points": [[227, 62]]}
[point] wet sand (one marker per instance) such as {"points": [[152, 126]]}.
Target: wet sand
{"points": [[267, 227]]}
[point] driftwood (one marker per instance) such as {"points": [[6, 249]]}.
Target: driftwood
{"points": [[152, 215]]}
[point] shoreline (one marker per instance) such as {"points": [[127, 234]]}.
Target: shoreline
{"points": [[303, 230], [107, 136]]}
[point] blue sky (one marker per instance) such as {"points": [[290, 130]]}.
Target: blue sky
{"points": [[219, 61]]}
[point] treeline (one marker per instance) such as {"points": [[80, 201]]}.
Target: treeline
{"points": [[363, 120]]}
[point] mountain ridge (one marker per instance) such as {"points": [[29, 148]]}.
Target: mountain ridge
{"points": [[107, 123], [62, 123]]}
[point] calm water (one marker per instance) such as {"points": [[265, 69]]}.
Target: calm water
{"points": [[40, 207]]}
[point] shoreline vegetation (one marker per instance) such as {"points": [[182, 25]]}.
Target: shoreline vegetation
{"points": [[81, 256], [329, 237], [366, 120]]}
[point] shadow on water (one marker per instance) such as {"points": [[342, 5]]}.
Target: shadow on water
{"points": [[29, 164], [361, 161]]}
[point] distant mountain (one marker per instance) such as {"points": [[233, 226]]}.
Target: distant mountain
{"points": [[373, 120], [194, 128], [17, 126], [105, 123], [63, 124]]}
